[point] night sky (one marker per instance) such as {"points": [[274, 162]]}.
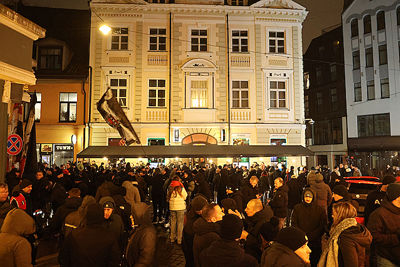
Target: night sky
{"points": [[322, 14]]}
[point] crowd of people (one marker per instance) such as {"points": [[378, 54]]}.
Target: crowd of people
{"points": [[219, 216]]}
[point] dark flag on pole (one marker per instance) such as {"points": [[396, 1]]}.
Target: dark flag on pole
{"points": [[111, 111], [28, 163]]}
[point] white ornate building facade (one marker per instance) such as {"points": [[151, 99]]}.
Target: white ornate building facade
{"points": [[204, 72]]}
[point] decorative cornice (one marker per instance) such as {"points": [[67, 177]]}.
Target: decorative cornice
{"points": [[16, 75], [109, 10], [20, 24]]}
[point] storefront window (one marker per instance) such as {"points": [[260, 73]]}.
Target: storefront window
{"points": [[63, 153], [278, 160], [155, 162], [241, 161]]}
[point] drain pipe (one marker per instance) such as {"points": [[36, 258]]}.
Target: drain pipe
{"points": [[170, 82], [229, 81], [90, 102]]}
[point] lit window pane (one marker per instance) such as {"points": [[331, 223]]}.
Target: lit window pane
{"points": [[64, 97], [72, 112], [73, 97]]}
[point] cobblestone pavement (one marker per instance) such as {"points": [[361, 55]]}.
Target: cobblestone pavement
{"points": [[167, 254]]}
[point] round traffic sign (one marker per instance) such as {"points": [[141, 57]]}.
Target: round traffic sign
{"points": [[14, 144]]}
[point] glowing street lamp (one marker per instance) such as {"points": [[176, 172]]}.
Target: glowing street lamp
{"points": [[105, 29]]}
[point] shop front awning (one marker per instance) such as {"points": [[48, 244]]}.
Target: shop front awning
{"points": [[189, 151]]}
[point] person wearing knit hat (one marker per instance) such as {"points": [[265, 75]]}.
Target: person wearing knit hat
{"points": [[340, 192], [112, 220], [97, 246], [21, 196], [194, 213], [290, 249], [376, 197], [384, 224], [227, 251]]}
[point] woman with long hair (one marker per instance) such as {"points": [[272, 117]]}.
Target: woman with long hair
{"points": [[176, 197], [348, 239]]}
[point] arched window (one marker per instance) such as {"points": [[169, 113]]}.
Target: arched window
{"points": [[354, 28], [367, 24], [380, 20], [398, 15]]}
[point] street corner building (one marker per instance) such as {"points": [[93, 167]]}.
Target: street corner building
{"points": [[200, 72], [16, 74]]}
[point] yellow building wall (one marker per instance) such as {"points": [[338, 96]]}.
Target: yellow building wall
{"points": [[49, 129]]}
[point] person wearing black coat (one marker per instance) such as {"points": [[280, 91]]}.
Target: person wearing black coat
{"points": [[289, 249], [142, 244], [202, 186], [40, 194], [206, 230], [72, 203], [294, 196], [194, 213], [310, 218], [58, 195], [257, 215], [279, 202], [376, 197], [91, 245], [157, 194], [251, 190], [227, 251]]}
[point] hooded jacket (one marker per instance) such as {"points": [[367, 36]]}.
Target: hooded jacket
{"points": [[384, 224], [205, 234], [279, 203], [15, 250], [142, 244], [223, 253], [76, 218], [282, 256], [71, 204], [324, 192], [132, 193], [310, 218], [91, 245], [352, 245]]}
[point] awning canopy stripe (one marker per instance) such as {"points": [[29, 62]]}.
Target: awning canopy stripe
{"points": [[189, 151]]}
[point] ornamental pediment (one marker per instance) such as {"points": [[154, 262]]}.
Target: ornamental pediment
{"points": [[199, 64], [278, 4]]}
